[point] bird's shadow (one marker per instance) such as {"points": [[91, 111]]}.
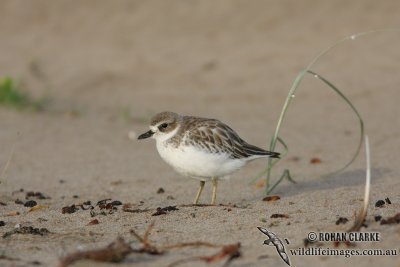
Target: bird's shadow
{"points": [[344, 179]]}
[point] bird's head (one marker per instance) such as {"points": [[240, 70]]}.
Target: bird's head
{"points": [[163, 126]]}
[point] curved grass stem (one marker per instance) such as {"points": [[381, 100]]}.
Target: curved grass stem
{"points": [[271, 162]]}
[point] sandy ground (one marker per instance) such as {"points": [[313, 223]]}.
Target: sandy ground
{"points": [[108, 66]]}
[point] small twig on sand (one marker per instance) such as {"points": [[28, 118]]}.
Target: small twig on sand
{"points": [[230, 251], [119, 249], [191, 244], [114, 252], [146, 246]]}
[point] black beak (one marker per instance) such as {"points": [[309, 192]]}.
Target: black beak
{"points": [[146, 135]]}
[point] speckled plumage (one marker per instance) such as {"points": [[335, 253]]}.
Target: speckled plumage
{"points": [[201, 148], [213, 136]]}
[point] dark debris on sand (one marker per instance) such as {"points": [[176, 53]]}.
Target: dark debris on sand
{"points": [[19, 202], [271, 198], [128, 208], [102, 207], [30, 203], [380, 203], [160, 190], [277, 215], [392, 220], [342, 220], [165, 210], [38, 195], [27, 230], [69, 209]]}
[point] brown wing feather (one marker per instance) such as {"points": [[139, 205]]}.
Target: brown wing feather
{"points": [[216, 137]]}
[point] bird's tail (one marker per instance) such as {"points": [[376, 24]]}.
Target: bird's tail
{"points": [[256, 152]]}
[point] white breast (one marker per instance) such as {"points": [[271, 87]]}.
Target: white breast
{"points": [[193, 162]]}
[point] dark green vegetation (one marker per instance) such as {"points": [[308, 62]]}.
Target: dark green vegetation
{"points": [[12, 96]]}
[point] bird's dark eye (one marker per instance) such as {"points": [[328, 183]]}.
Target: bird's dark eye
{"points": [[164, 125]]}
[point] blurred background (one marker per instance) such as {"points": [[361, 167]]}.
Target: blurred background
{"points": [[95, 70], [80, 80]]}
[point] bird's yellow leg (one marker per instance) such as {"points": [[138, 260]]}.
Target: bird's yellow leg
{"points": [[196, 199], [214, 191]]}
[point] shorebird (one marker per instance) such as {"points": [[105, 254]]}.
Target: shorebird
{"points": [[201, 148]]}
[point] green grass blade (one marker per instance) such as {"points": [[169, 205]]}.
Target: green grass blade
{"points": [[360, 142], [289, 98], [274, 161]]}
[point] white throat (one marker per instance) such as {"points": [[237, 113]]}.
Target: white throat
{"points": [[162, 137]]}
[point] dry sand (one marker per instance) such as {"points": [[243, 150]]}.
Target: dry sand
{"points": [[108, 66]]}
